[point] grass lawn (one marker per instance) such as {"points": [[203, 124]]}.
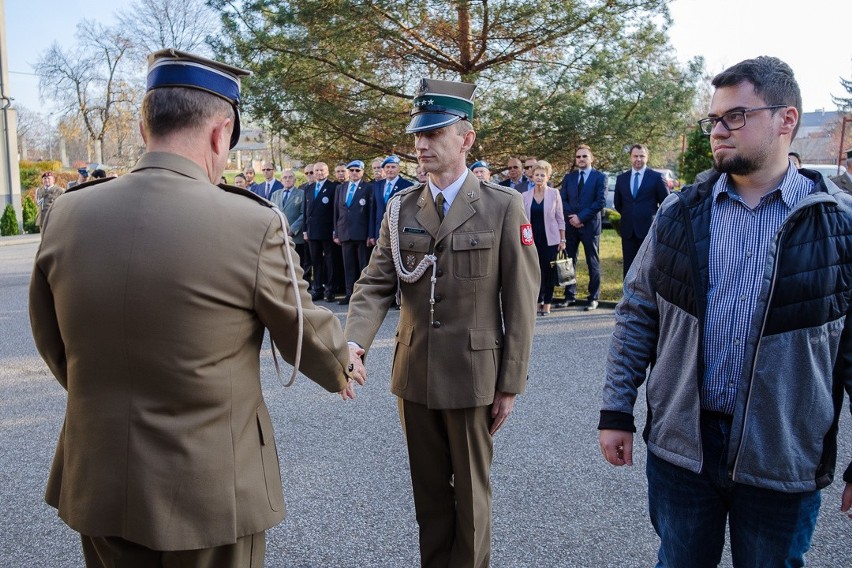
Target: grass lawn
{"points": [[611, 271]]}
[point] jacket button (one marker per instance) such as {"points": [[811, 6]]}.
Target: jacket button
{"points": [[496, 342], [438, 298], [439, 272], [439, 248], [474, 242], [411, 245], [436, 324]]}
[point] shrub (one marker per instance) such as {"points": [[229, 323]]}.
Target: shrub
{"points": [[9, 222], [614, 219], [30, 213], [31, 172]]}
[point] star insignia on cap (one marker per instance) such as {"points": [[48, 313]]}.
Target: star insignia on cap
{"points": [[431, 102]]}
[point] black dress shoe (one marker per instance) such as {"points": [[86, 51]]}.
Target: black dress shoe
{"points": [[329, 298], [343, 302], [316, 296]]}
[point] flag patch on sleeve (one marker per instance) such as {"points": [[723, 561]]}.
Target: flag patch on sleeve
{"points": [[526, 235]]}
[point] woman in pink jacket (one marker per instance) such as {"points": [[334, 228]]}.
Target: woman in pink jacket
{"points": [[544, 210]]}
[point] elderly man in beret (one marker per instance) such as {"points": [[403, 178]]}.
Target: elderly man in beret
{"points": [[151, 313], [463, 340]]}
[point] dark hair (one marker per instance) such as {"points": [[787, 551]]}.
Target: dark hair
{"points": [[639, 147], [99, 174], [240, 176], [773, 81], [169, 110]]}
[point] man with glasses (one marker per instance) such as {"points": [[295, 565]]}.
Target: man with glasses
{"points": [[352, 204], [739, 303], [639, 192], [269, 184], [583, 194], [516, 180], [529, 167], [290, 200]]}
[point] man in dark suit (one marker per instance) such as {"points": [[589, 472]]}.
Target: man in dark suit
{"points": [[516, 180], [638, 194], [382, 191], [352, 205], [319, 229], [151, 312], [583, 194], [269, 184]]}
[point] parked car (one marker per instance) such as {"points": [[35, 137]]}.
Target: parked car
{"points": [[827, 170], [671, 180]]}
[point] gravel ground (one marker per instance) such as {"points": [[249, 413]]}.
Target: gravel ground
{"points": [[344, 465]]}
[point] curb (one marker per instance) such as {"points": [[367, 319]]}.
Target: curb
{"points": [[20, 239]]}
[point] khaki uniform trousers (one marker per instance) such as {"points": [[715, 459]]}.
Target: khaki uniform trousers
{"points": [[450, 454], [114, 552]]}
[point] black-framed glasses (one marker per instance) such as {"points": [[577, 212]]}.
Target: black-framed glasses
{"points": [[354, 169], [581, 156], [732, 120], [267, 169], [309, 173], [514, 167]]}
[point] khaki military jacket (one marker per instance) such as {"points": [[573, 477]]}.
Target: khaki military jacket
{"points": [[148, 301], [843, 182], [479, 338]]}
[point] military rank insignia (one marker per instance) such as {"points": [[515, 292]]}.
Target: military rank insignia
{"points": [[409, 261], [526, 235]]}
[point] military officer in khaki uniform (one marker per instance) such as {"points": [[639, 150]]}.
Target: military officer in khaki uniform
{"points": [[462, 252], [149, 299], [844, 179]]}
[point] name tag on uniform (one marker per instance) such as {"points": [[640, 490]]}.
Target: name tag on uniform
{"points": [[415, 230]]}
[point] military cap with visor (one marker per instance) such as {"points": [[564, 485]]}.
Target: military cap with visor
{"points": [[440, 103], [173, 68]]}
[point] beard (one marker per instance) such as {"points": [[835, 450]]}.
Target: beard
{"points": [[737, 165]]}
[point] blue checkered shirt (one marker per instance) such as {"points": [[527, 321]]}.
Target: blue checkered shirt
{"points": [[739, 240]]}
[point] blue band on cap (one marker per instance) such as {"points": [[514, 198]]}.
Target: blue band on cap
{"points": [[176, 73]]}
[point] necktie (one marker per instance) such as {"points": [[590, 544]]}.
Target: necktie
{"points": [[580, 183], [316, 189], [388, 188], [284, 197], [439, 205], [635, 184], [268, 188], [349, 194]]}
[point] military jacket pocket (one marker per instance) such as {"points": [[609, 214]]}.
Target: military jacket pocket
{"points": [[269, 455], [472, 254], [412, 249]]}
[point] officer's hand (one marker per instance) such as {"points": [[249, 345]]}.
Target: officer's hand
{"points": [[617, 446], [371, 242], [846, 500], [504, 402]]}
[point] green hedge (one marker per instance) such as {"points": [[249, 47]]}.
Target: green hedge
{"points": [[30, 212], [9, 222]]}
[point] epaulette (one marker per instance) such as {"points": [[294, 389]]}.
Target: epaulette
{"points": [[245, 193], [89, 183], [497, 186], [410, 189]]}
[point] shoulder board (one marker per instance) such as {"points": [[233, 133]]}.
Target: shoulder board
{"points": [[245, 193], [411, 189], [89, 183], [498, 187]]}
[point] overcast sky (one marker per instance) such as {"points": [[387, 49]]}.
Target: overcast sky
{"points": [[813, 37]]}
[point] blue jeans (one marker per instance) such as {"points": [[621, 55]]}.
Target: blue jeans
{"points": [[688, 510]]}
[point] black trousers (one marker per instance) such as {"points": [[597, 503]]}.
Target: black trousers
{"points": [[322, 262], [629, 248], [356, 255], [591, 248]]}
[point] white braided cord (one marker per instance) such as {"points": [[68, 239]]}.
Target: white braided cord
{"points": [[300, 315], [401, 272]]}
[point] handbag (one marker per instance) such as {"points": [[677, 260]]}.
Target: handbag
{"points": [[564, 269]]}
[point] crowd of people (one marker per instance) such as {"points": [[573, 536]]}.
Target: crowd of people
{"points": [[335, 223]]}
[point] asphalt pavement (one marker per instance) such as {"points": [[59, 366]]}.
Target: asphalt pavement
{"points": [[344, 464]]}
